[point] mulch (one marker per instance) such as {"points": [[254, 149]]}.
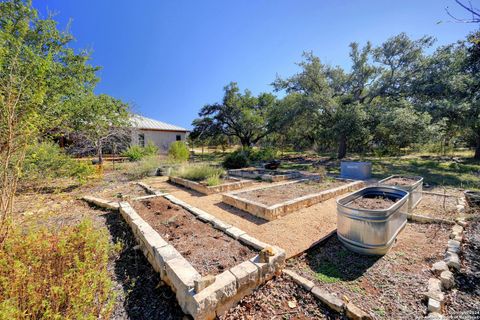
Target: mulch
{"points": [[463, 302], [280, 298], [375, 203], [388, 287], [210, 251]]}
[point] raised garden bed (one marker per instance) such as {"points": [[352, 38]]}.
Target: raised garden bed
{"points": [[438, 206], [414, 185], [228, 184], [265, 174], [237, 274], [387, 287], [273, 202], [209, 250], [369, 220]]}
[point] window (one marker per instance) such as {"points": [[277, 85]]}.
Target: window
{"points": [[141, 140], [179, 137]]}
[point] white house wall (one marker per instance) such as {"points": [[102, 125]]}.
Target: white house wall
{"points": [[162, 139]]}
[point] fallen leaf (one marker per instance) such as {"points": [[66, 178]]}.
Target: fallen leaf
{"points": [[292, 304]]}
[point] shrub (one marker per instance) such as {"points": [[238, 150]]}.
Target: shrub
{"points": [[58, 274], [47, 160], [264, 154], [144, 168], [178, 151], [237, 159], [134, 153], [200, 173], [150, 149]]}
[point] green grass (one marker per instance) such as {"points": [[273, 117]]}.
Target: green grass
{"points": [[328, 272]]}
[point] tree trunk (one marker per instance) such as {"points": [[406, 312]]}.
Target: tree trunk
{"points": [[477, 149], [342, 147], [100, 153]]}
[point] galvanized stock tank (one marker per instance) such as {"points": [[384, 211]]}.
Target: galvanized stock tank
{"points": [[414, 189], [369, 231]]}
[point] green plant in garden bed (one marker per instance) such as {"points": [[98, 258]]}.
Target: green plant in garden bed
{"points": [[59, 274], [210, 175], [327, 272]]}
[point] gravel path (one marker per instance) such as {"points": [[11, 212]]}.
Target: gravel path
{"points": [[294, 232]]}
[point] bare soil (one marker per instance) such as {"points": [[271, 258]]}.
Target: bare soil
{"points": [[463, 302], [372, 203], [387, 287], [210, 251], [122, 192], [437, 206], [280, 298], [401, 181], [281, 193]]}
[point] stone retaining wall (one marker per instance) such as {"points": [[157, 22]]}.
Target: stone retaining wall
{"points": [[238, 184], [280, 209], [223, 290]]}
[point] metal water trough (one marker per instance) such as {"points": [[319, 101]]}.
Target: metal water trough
{"points": [[355, 170], [371, 232], [415, 189]]}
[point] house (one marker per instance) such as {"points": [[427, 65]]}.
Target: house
{"points": [[160, 133]]}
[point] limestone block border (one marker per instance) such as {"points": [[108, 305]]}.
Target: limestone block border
{"points": [[227, 288], [443, 271], [237, 184], [251, 174], [102, 203], [329, 300], [277, 210], [148, 189]]}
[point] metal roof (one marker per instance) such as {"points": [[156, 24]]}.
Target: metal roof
{"points": [[141, 122]]}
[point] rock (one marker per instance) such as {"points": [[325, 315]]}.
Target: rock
{"points": [[434, 285], [452, 260], [435, 316], [203, 282], [462, 222], [453, 246], [439, 267], [457, 229], [460, 208], [305, 283], [328, 299], [252, 242], [265, 254], [181, 275], [355, 313], [234, 232], [247, 275], [458, 238], [434, 305], [447, 279]]}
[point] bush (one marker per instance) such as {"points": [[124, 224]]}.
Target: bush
{"points": [[144, 168], [56, 275], [150, 149], [264, 154], [200, 173], [178, 151], [47, 160], [236, 160], [134, 153]]}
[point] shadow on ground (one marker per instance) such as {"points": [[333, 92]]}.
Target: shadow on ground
{"points": [[331, 261], [141, 296]]}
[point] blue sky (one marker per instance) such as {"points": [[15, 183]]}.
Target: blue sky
{"points": [[169, 58]]}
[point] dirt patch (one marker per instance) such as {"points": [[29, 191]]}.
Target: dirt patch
{"points": [[401, 181], [210, 251], [280, 298], [282, 193], [387, 287], [464, 301], [372, 203], [123, 192], [437, 206]]}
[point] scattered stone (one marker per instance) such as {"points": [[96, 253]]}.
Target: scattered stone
{"points": [[447, 279], [434, 305], [328, 299], [452, 260], [247, 275], [453, 246], [435, 316], [203, 282], [462, 222], [265, 254], [305, 283], [460, 208], [355, 313], [434, 285], [457, 229], [439, 267]]}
